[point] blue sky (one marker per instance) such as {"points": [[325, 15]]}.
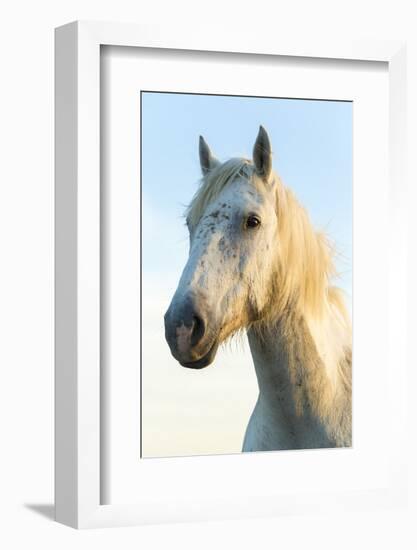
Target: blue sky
{"points": [[312, 144]]}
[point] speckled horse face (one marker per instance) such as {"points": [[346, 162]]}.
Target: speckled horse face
{"points": [[223, 286]]}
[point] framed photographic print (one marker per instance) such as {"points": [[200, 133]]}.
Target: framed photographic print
{"points": [[230, 286], [227, 274]]}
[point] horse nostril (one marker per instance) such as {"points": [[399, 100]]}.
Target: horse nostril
{"points": [[198, 330]]}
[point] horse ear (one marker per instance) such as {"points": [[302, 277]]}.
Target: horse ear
{"points": [[207, 160], [262, 154]]}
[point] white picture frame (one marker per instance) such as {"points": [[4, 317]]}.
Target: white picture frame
{"points": [[77, 365]]}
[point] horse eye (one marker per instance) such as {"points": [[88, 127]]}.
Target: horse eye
{"points": [[253, 222]]}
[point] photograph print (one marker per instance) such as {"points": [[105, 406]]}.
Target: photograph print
{"points": [[246, 279]]}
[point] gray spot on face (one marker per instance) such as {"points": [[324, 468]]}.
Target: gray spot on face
{"points": [[222, 244]]}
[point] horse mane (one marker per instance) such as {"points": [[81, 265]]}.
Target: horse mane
{"points": [[304, 266], [305, 259]]}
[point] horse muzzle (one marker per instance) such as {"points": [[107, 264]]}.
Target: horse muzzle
{"points": [[188, 334]]}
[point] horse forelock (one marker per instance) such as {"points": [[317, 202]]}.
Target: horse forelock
{"points": [[213, 183]]}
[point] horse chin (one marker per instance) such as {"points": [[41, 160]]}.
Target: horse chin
{"points": [[205, 360]]}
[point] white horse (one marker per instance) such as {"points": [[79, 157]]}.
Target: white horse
{"points": [[257, 264]]}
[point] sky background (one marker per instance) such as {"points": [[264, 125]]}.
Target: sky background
{"points": [[204, 412]]}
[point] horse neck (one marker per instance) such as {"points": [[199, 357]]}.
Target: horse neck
{"points": [[304, 380]]}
